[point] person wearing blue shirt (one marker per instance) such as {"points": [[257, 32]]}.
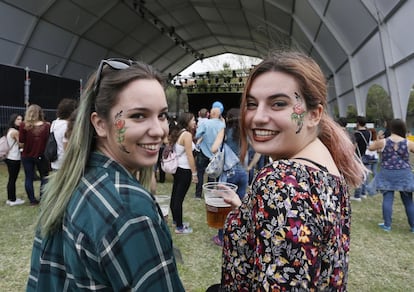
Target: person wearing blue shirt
{"points": [[237, 174], [207, 132]]}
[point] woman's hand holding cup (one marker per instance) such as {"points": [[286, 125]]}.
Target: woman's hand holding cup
{"points": [[229, 196]]}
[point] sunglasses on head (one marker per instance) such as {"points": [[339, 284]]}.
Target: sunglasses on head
{"points": [[114, 63]]}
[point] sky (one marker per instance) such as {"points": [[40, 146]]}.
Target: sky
{"points": [[216, 63]]}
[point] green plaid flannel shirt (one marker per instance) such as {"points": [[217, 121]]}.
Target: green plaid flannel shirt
{"points": [[113, 238]]}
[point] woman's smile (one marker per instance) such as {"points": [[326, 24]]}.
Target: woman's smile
{"points": [[152, 147], [262, 135]]}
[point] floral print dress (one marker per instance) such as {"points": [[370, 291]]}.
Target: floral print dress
{"points": [[291, 232], [395, 173]]}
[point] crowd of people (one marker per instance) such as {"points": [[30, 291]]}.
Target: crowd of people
{"points": [[386, 155], [295, 170], [28, 138]]}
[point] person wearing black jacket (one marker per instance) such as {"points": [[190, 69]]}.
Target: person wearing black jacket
{"points": [[362, 139]]}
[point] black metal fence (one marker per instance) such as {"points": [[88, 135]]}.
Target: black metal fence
{"points": [[7, 111]]}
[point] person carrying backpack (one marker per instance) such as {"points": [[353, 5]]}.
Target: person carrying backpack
{"points": [[362, 139]]}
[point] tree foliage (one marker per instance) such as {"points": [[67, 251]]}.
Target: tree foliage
{"points": [[176, 99], [351, 113], [379, 106], [410, 108]]}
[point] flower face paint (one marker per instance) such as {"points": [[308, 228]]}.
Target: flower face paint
{"points": [[120, 130], [298, 112]]}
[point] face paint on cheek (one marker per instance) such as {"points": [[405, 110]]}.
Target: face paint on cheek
{"points": [[298, 112], [120, 131]]}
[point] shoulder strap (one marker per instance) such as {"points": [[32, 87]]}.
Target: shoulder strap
{"points": [[179, 134], [320, 166], [363, 137]]}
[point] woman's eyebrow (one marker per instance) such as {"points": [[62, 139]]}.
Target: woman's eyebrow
{"points": [[272, 96], [146, 109]]}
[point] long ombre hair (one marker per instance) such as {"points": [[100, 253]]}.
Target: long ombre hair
{"points": [[312, 84], [62, 184]]}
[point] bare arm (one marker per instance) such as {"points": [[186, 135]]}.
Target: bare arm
{"points": [[411, 146], [188, 146], [15, 135], [377, 145], [218, 141]]}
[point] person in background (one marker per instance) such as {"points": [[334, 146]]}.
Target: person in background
{"points": [[292, 230], [395, 172], [343, 122], [65, 108], [99, 228], [372, 159], [219, 105], [203, 115], [363, 137], [33, 136], [387, 129], [158, 169], [182, 139], [237, 175], [207, 132], [13, 159]]}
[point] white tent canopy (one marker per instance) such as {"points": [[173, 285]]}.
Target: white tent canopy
{"points": [[358, 43]]}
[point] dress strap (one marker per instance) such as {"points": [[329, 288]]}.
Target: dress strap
{"points": [[313, 162], [180, 134]]}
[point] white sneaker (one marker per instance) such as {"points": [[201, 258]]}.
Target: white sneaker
{"points": [[356, 199], [17, 202], [184, 230], [8, 202], [185, 224]]}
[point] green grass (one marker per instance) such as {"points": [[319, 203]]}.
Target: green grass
{"points": [[379, 261]]}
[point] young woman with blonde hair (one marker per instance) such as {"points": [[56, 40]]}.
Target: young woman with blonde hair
{"points": [[33, 136]]}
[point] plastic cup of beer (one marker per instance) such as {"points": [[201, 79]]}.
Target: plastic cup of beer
{"points": [[164, 202], [217, 210]]}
